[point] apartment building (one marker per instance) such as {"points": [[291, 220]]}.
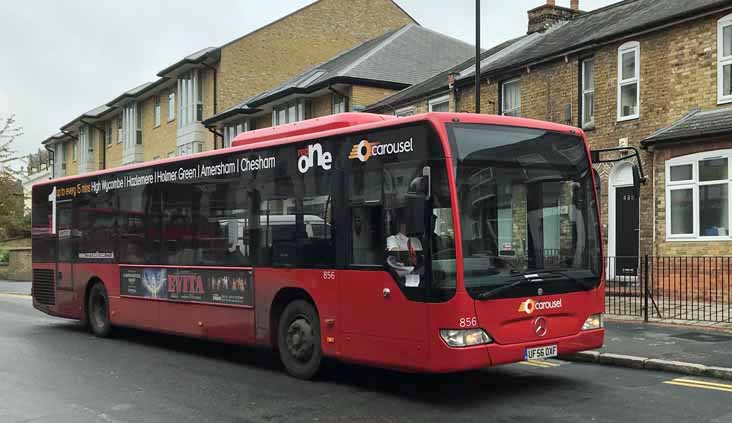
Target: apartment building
{"points": [[650, 74], [349, 81], [164, 117]]}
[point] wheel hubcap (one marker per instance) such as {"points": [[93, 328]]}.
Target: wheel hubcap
{"points": [[300, 339]]}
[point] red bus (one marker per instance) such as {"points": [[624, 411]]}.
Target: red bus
{"points": [[434, 243]]}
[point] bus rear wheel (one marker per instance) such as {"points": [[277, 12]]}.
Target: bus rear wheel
{"points": [[298, 339], [98, 311]]}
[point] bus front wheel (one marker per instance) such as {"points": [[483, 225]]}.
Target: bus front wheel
{"points": [[98, 311], [298, 339]]}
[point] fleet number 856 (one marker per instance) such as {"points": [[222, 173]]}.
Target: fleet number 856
{"points": [[468, 322]]}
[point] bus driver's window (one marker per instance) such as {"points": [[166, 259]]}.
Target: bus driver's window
{"points": [[404, 253]]}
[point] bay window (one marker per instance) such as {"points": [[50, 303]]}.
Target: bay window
{"points": [[290, 112], [724, 60], [232, 129], [511, 98], [698, 196], [628, 97], [190, 93]]}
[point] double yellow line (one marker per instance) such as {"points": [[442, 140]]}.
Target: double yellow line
{"points": [[540, 363], [691, 383]]}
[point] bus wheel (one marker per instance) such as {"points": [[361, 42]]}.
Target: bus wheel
{"points": [[98, 311], [298, 339]]}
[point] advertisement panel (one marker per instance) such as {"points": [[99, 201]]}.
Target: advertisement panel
{"points": [[217, 286]]}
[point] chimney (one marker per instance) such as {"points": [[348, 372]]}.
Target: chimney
{"points": [[549, 14]]}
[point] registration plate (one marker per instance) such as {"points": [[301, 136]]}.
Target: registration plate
{"points": [[539, 353]]}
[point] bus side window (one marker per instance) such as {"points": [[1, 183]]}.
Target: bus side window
{"points": [[366, 236], [365, 200]]}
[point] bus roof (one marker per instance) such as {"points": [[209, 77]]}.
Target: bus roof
{"points": [[328, 126]]}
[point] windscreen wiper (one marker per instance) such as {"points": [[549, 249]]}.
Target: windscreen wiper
{"points": [[579, 282], [511, 283], [531, 277]]}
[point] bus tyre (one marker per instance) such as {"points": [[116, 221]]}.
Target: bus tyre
{"points": [[298, 339], [98, 311]]}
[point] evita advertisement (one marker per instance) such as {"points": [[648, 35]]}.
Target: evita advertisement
{"points": [[231, 287]]}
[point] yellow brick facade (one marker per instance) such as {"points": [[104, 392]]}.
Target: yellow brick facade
{"points": [[678, 72], [364, 96], [295, 43]]}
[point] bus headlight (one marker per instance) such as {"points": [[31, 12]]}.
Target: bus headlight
{"points": [[593, 322], [464, 337]]}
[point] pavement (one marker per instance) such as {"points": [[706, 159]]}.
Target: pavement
{"points": [[53, 370]]}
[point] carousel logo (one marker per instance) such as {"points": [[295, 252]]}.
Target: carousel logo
{"points": [[307, 158], [366, 149], [530, 305]]}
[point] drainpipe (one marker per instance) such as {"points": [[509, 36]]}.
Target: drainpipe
{"points": [[217, 134], [215, 100], [104, 146], [52, 156]]}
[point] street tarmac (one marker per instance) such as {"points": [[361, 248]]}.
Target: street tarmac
{"points": [[53, 370]]}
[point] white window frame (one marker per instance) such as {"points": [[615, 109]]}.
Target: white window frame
{"points": [[74, 150], [120, 125], [694, 184], [190, 98], [232, 129], [438, 101], [633, 46], [338, 104], [585, 91], [171, 106], [300, 108], [405, 111], [721, 60], [156, 112], [503, 96]]}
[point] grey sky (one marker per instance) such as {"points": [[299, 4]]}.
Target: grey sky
{"points": [[59, 59]]}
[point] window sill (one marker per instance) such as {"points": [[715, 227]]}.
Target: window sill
{"points": [[724, 100], [156, 126], [628, 118], [701, 239], [171, 120], [589, 127]]}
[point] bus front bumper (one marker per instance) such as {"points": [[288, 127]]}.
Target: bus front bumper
{"points": [[447, 359]]}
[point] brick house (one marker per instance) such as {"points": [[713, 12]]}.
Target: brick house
{"points": [[652, 74], [348, 81], [163, 118]]}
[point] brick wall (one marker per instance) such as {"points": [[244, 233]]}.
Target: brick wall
{"points": [[270, 55], [364, 96], [677, 74]]}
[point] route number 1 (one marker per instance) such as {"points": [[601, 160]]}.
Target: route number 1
{"points": [[52, 200]]}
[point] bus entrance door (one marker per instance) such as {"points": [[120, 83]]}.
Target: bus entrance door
{"points": [[64, 246]]}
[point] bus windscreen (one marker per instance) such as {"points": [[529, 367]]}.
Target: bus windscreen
{"points": [[527, 211]]}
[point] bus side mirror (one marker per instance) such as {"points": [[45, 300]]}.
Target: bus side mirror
{"points": [[420, 186]]}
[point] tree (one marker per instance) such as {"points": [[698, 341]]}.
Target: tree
{"points": [[9, 131], [13, 221]]}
